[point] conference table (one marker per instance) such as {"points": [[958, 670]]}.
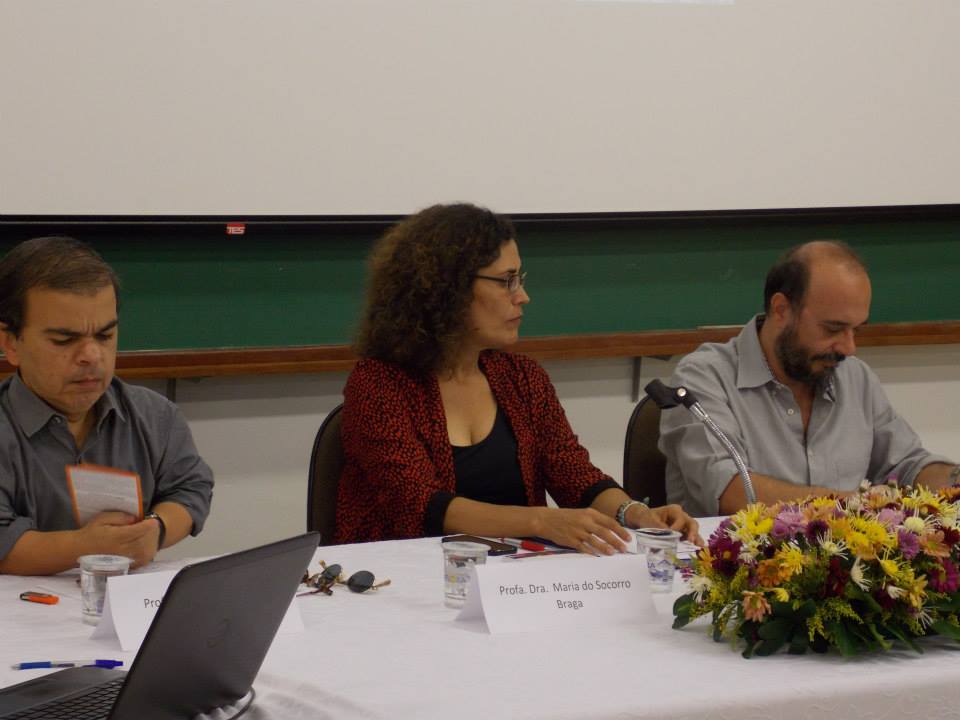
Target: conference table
{"points": [[398, 652]]}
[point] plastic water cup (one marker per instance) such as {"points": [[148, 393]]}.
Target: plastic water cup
{"points": [[459, 558], [660, 547], [94, 571]]}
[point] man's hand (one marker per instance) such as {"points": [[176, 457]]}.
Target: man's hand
{"points": [[116, 533], [588, 530]]}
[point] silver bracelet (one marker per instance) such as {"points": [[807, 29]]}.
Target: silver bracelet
{"points": [[621, 516]]}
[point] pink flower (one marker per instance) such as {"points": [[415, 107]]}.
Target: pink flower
{"points": [[755, 606], [890, 517], [909, 544], [944, 576]]}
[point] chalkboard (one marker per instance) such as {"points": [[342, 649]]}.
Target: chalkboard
{"points": [[189, 285]]}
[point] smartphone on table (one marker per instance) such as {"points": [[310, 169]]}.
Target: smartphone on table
{"points": [[496, 548]]}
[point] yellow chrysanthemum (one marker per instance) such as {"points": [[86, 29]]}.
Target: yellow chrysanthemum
{"points": [[860, 545], [840, 527], [791, 559], [780, 594], [875, 531], [890, 566], [916, 590]]}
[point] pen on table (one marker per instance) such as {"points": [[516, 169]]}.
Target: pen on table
{"points": [[524, 544], [40, 664]]}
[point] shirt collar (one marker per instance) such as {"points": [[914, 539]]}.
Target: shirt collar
{"points": [[753, 369], [33, 414]]}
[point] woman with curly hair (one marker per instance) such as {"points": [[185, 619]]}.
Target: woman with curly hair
{"points": [[446, 432]]}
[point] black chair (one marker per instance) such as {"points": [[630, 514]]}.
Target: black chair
{"points": [[644, 466], [326, 464]]}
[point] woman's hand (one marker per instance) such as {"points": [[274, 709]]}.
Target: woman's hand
{"points": [[586, 530], [667, 516]]}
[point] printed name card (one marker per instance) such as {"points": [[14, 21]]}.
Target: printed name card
{"points": [[559, 591], [96, 489], [132, 601]]}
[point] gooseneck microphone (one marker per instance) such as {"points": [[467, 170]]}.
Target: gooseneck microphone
{"points": [[667, 397]]}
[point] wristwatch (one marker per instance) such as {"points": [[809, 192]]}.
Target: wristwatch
{"points": [[163, 527]]}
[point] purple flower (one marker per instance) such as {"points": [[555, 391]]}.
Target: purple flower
{"points": [[909, 544], [726, 554], [816, 529], [890, 517], [787, 524], [944, 577]]}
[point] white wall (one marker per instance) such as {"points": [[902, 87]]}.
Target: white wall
{"points": [[380, 106], [257, 432]]}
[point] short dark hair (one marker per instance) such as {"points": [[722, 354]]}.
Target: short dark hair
{"points": [[421, 275], [53, 262], [790, 275]]}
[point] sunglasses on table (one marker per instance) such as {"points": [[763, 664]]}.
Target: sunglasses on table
{"points": [[330, 575]]}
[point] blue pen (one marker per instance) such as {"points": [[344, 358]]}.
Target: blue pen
{"points": [[42, 664]]}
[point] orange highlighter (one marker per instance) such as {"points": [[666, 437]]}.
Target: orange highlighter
{"points": [[39, 597]]}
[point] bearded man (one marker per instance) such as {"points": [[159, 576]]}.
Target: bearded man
{"points": [[807, 417]]}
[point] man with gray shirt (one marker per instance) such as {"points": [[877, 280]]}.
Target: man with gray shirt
{"points": [[64, 407], [807, 417]]}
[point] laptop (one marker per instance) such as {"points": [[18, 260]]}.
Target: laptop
{"points": [[202, 651]]}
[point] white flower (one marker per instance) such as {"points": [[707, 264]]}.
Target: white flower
{"points": [[856, 574], [701, 586], [832, 547], [924, 617], [895, 592], [749, 551], [914, 524]]}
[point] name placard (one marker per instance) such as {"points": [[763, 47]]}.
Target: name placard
{"points": [[132, 601], [560, 591]]}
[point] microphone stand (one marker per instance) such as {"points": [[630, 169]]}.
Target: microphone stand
{"points": [[667, 397]]}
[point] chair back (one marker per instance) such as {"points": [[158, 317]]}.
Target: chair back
{"points": [[644, 466], [326, 465]]}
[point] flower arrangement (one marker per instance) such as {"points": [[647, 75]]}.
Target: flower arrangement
{"points": [[855, 573]]}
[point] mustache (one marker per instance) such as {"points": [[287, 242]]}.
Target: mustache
{"points": [[830, 357]]}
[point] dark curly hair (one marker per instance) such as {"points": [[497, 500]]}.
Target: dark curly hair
{"points": [[421, 284]]}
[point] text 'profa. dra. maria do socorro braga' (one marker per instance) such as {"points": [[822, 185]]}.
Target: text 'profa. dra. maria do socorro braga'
{"points": [[585, 587]]}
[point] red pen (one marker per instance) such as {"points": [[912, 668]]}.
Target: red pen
{"points": [[524, 544]]}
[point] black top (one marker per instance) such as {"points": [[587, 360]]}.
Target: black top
{"points": [[489, 471]]}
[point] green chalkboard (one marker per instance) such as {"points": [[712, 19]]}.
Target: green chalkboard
{"points": [[189, 285]]}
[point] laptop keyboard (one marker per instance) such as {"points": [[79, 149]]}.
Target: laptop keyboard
{"points": [[94, 704]]}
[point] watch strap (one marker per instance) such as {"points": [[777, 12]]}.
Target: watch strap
{"points": [[163, 527]]}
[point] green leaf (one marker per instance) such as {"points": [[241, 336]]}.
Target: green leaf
{"points": [[807, 610], [775, 629], [684, 604], [798, 644], [904, 636], [948, 629], [769, 647], [883, 642], [846, 641]]}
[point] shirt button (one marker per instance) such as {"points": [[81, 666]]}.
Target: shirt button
{"points": [[790, 411]]}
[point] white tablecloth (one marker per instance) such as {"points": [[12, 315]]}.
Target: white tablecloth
{"points": [[398, 653]]}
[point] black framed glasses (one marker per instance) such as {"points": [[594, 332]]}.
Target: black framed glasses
{"points": [[330, 575], [513, 281]]}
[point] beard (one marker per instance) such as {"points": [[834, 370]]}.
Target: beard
{"points": [[797, 362]]}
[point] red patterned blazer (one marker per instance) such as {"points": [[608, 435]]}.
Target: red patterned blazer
{"points": [[398, 453]]}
